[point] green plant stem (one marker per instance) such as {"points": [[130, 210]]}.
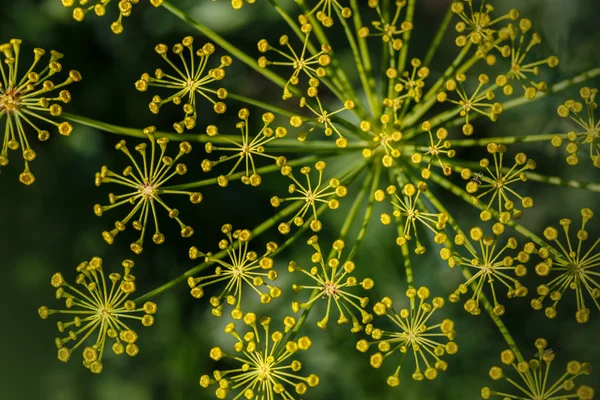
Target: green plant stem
{"points": [[371, 97], [557, 87], [219, 40], [439, 36], [410, 15], [260, 229], [261, 104], [506, 140], [364, 51], [410, 280]]}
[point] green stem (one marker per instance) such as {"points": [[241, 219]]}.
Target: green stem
{"points": [[260, 229], [263, 105], [439, 36], [364, 51], [506, 140], [371, 97], [410, 14]]}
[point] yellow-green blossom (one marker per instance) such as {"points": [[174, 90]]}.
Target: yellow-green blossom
{"points": [[146, 184], [491, 262], [332, 281], [24, 102], [99, 310], [534, 383], [577, 267], [243, 268], [246, 150], [267, 370], [413, 332], [189, 82]]}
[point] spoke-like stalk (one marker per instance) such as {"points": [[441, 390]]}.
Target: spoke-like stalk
{"points": [[410, 14], [439, 36]]}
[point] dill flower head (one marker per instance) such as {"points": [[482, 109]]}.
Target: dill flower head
{"points": [[332, 280], [480, 101], [82, 7], [384, 137], [267, 372], [407, 85], [572, 266], [438, 147], [243, 268], [309, 195], [496, 183], [99, 309], [522, 72], [323, 119], [410, 211], [245, 150], [387, 27], [479, 27], [413, 332], [30, 99], [146, 185], [534, 383], [188, 83], [588, 131], [491, 263], [313, 66]]}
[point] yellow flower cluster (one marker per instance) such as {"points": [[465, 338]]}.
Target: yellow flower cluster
{"points": [[101, 307], [267, 369], [24, 101]]}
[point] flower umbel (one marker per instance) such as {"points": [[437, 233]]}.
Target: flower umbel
{"points": [[311, 65], [245, 150], [323, 119], [521, 71], [146, 185], [99, 8], [414, 335], [534, 377], [590, 134], [479, 102], [265, 363], [243, 268], [384, 138], [190, 82], [498, 184], [491, 263], [408, 209], [98, 306], [332, 281], [576, 267], [388, 30], [310, 195], [24, 100]]}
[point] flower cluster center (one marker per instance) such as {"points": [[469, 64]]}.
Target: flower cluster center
{"points": [[9, 100]]}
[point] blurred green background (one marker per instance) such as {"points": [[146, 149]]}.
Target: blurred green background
{"points": [[51, 227]]}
